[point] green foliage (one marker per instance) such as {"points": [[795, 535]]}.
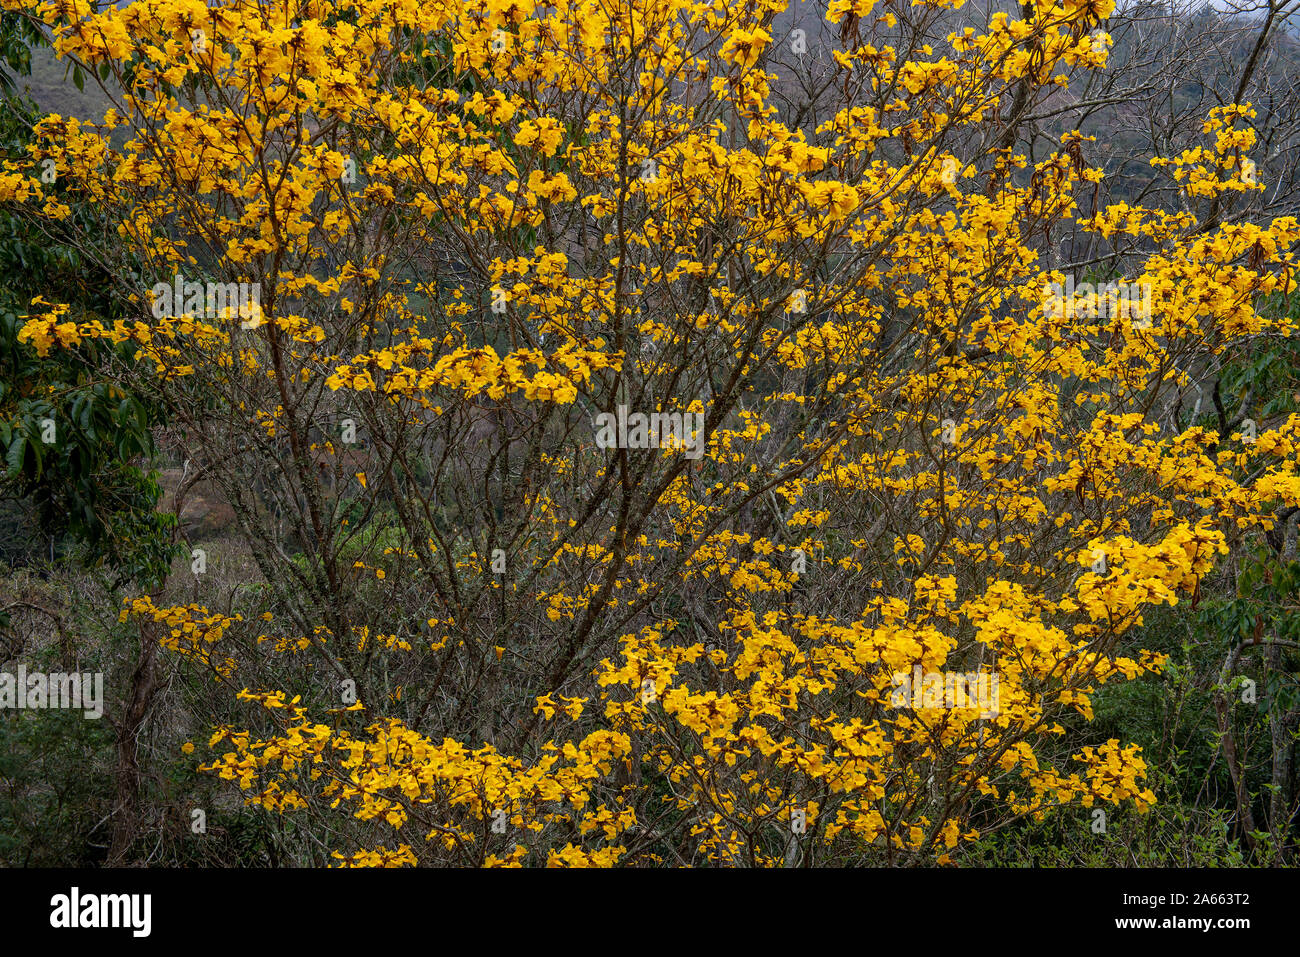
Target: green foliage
{"points": [[71, 444], [1172, 835], [18, 35], [56, 788]]}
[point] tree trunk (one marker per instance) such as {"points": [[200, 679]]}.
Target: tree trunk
{"points": [[144, 683]]}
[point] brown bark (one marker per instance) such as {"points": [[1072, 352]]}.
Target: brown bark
{"points": [[144, 684], [1228, 742]]}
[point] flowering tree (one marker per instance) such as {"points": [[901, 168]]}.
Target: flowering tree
{"points": [[638, 470]]}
